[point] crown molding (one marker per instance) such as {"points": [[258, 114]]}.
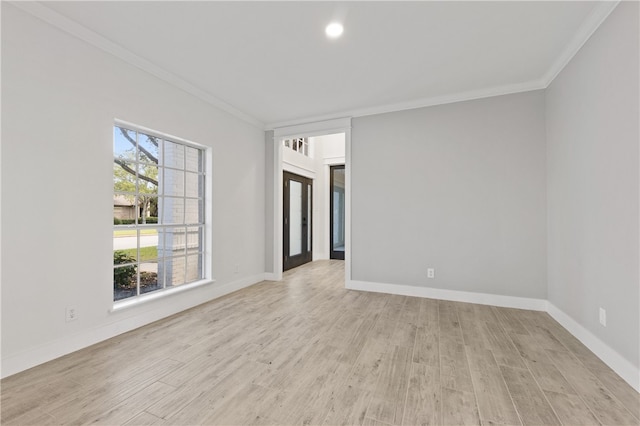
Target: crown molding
{"points": [[593, 21], [65, 24], [599, 13], [417, 103], [314, 128]]}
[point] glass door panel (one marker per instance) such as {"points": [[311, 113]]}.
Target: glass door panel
{"points": [[295, 218], [337, 211], [296, 238]]}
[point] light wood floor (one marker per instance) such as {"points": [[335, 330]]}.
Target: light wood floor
{"points": [[308, 351]]}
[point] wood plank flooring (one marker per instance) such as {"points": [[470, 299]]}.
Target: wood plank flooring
{"points": [[307, 351]]}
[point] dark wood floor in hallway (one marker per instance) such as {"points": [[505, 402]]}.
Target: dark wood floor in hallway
{"points": [[307, 351]]}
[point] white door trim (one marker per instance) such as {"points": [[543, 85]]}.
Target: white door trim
{"points": [[341, 125]]}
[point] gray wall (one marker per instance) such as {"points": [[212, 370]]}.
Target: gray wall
{"points": [[592, 150], [458, 187], [60, 97]]}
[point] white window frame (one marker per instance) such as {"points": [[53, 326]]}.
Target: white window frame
{"points": [[205, 248], [300, 145]]}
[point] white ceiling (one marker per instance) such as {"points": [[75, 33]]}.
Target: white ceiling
{"points": [[271, 63]]}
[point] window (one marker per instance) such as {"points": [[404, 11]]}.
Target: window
{"points": [[300, 145], [158, 232]]}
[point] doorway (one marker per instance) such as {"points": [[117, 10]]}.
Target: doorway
{"points": [[337, 212], [296, 221], [278, 162]]}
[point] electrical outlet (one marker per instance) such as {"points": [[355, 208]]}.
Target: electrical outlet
{"points": [[237, 268], [72, 314], [431, 273], [603, 317]]}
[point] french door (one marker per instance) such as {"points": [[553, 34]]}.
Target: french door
{"points": [[336, 209], [296, 239]]}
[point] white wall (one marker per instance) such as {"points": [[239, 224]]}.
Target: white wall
{"points": [[60, 97], [298, 163], [593, 184], [333, 148], [329, 150], [460, 188]]}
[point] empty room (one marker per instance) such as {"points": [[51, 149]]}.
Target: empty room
{"points": [[326, 213]]}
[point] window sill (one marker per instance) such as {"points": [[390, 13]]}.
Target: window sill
{"points": [[160, 294]]}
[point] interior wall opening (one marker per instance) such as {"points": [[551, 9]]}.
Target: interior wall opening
{"points": [[310, 222]]}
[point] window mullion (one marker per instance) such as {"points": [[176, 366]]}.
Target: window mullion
{"points": [[138, 263], [162, 263]]}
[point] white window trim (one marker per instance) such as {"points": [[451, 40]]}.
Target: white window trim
{"points": [[155, 295], [305, 148], [207, 226]]}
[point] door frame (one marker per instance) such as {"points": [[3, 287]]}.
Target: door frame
{"points": [[341, 125], [332, 253], [306, 239]]}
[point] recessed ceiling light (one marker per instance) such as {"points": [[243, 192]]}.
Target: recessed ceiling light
{"points": [[334, 30]]}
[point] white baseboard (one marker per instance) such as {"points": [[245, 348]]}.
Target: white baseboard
{"points": [[320, 256], [24, 360], [625, 369], [270, 276], [452, 295]]}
